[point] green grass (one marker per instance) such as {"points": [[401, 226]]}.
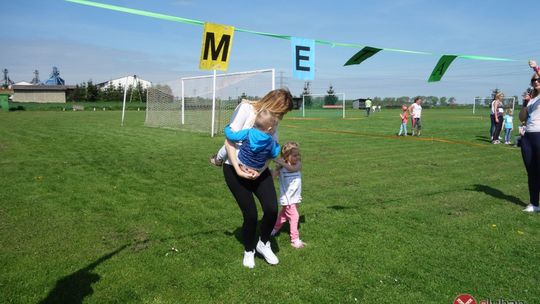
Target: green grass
{"points": [[89, 212]]}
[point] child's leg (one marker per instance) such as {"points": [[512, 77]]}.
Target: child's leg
{"points": [[217, 159], [405, 128], [281, 219], [400, 129], [292, 214], [506, 135], [222, 153]]}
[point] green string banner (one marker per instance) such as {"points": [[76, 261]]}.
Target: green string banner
{"points": [[437, 72]]}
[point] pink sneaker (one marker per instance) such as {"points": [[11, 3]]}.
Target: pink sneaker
{"points": [[298, 244]]}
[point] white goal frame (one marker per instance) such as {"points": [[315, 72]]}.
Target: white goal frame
{"points": [[318, 95], [214, 76], [512, 98]]}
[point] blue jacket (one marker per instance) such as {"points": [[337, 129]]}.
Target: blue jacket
{"points": [[257, 147]]}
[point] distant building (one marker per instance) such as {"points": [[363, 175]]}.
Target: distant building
{"points": [[123, 81], [359, 103], [40, 93]]}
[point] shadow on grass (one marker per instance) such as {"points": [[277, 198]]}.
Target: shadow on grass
{"points": [[498, 194], [483, 138], [75, 287]]}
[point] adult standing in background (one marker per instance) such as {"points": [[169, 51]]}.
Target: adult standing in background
{"points": [[530, 142], [415, 111], [497, 112], [368, 106]]}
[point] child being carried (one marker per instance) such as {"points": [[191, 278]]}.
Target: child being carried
{"points": [[257, 144]]}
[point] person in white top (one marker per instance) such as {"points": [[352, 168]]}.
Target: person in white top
{"points": [[497, 114], [530, 142], [245, 183], [290, 189], [415, 111]]}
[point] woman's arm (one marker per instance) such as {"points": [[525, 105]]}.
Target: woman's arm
{"points": [[523, 114], [535, 67]]}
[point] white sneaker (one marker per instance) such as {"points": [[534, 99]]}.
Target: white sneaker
{"points": [[266, 251], [531, 208], [249, 259]]}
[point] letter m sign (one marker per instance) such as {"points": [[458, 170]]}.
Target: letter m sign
{"points": [[216, 46]]}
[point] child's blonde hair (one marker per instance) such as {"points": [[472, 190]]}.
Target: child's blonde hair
{"points": [[509, 111], [288, 148], [265, 121]]}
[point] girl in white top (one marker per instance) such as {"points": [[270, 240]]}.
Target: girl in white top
{"points": [[290, 189], [530, 143]]}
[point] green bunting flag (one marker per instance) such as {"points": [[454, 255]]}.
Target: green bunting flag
{"points": [[362, 55], [441, 67]]}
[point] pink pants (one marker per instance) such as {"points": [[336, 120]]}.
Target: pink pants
{"points": [[289, 213]]}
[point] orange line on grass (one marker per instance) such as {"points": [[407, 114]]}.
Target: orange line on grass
{"points": [[455, 142]]}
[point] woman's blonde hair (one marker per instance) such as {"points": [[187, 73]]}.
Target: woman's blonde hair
{"points": [[288, 148], [499, 95], [278, 102]]}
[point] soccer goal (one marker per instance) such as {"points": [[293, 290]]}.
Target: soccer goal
{"points": [[205, 103], [323, 105], [481, 104]]}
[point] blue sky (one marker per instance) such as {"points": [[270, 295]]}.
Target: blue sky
{"points": [[88, 43]]}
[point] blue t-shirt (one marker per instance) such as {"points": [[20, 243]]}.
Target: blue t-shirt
{"points": [[257, 146], [508, 121]]}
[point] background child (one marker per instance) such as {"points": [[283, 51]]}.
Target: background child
{"points": [[258, 145], [508, 126], [290, 188], [404, 118]]}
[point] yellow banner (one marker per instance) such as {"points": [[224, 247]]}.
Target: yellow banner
{"points": [[216, 46]]}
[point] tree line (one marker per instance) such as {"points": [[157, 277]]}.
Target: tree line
{"points": [[90, 92]]}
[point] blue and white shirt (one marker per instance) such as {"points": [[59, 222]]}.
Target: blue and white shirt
{"points": [[257, 146], [290, 187]]}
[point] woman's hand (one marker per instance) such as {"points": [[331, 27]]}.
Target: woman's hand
{"points": [[247, 173], [532, 63]]}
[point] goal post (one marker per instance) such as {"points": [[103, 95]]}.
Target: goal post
{"points": [[205, 103], [320, 102], [508, 102]]}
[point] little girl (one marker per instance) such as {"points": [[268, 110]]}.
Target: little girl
{"points": [[290, 188], [404, 119], [508, 126]]}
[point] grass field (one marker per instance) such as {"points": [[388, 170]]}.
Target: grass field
{"points": [[91, 211]]}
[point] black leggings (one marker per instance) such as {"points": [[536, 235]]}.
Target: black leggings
{"points": [[530, 150], [243, 190], [498, 127]]}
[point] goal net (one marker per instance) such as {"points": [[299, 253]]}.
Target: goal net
{"points": [[483, 105], [204, 103], [323, 105]]}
